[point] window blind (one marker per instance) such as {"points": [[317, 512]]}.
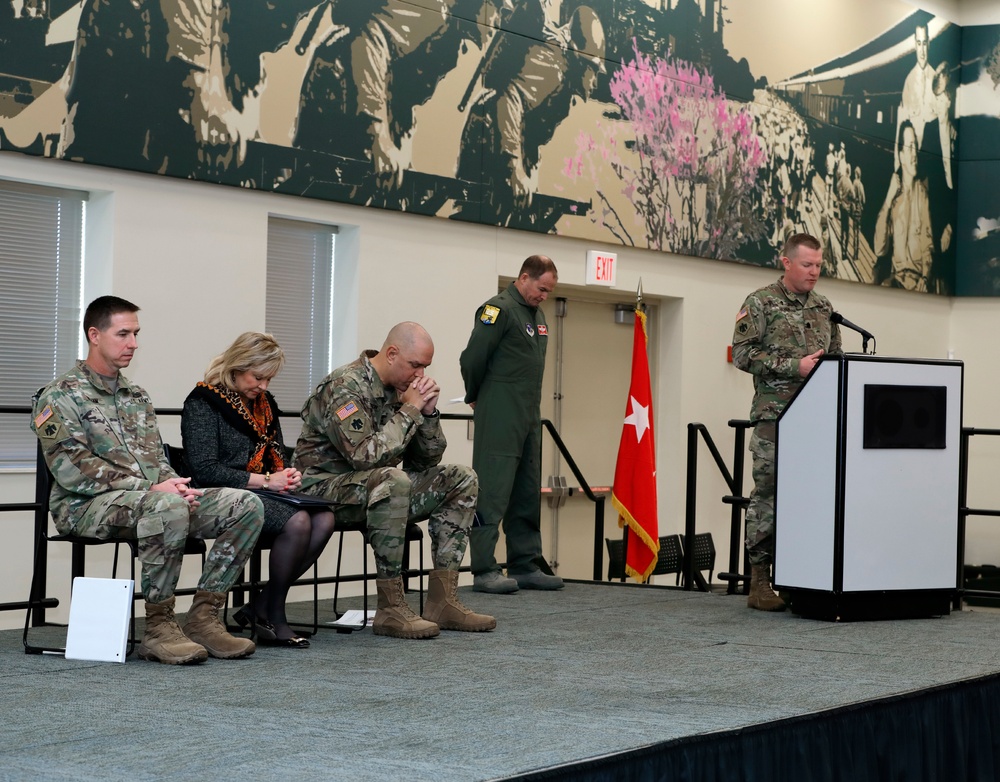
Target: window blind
{"points": [[41, 267], [299, 306]]}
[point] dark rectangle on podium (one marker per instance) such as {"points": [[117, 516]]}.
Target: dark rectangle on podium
{"points": [[898, 416]]}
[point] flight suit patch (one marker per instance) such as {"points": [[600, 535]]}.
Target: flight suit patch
{"points": [[543, 330], [529, 329], [490, 314]]}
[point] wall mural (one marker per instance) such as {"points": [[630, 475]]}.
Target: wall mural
{"points": [[691, 127]]}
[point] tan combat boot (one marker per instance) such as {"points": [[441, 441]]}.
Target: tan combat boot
{"points": [[163, 640], [444, 608], [204, 626], [394, 617], [762, 597]]}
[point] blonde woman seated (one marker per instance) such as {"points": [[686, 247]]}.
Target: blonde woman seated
{"points": [[233, 438]]}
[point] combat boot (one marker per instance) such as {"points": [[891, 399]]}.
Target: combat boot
{"points": [[204, 626], [163, 640], [394, 617], [446, 610], [762, 597]]}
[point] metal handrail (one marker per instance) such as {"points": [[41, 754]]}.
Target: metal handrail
{"points": [[734, 481], [598, 500], [964, 511]]}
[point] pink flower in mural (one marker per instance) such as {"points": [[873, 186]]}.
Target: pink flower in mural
{"points": [[691, 169]]}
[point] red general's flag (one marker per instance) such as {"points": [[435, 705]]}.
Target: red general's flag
{"points": [[634, 491]]}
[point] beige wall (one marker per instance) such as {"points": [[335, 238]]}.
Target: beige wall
{"points": [[193, 257]]}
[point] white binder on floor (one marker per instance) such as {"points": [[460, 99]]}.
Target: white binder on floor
{"points": [[99, 614]]}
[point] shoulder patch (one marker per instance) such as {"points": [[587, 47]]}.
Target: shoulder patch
{"points": [[53, 430], [745, 328], [347, 411], [490, 314]]}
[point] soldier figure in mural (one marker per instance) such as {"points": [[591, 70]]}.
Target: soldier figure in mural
{"points": [[831, 167], [528, 88], [123, 96], [845, 198], [359, 95], [904, 242], [857, 208], [171, 86], [926, 99]]}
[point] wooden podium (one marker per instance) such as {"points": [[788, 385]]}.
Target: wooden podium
{"points": [[866, 509]]}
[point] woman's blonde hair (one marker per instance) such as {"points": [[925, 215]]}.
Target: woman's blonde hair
{"points": [[251, 352]]}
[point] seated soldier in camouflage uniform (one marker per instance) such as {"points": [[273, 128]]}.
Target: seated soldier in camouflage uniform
{"points": [[111, 480], [372, 443]]}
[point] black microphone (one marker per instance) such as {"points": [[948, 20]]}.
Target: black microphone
{"points": [[866, 335]]}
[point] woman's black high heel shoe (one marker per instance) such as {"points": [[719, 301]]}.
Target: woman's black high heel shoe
{"points": [[295, 642], [263, 629]]}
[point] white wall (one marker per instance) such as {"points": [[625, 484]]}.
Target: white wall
{"points": [[962, 12], [192, 256], [971, 12]]}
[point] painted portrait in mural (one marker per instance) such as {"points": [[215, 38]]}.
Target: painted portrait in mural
{"points": [[685, 126]]}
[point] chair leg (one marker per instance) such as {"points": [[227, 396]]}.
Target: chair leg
{"points": [[134, 552], [336, 583], [364, 581], [36, 593], [37, 590], [315, 597], [420, 575], [255, 587]]}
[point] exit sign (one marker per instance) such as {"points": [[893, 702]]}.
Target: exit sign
{"points": [[602, 268]]}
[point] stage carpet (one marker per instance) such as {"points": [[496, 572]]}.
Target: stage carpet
{"points": [[596, 682]]}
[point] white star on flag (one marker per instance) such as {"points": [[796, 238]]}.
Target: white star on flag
{"points": [[639, 418]]}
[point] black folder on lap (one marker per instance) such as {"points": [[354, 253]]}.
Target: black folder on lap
{"points": [[295, 498]]}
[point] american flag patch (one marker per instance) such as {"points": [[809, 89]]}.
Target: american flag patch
{"points": [[43, 416], [347, 411], [741, 314], [543, 330]]}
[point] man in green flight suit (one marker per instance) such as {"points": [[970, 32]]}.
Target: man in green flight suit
{"points": [[502, 367]]}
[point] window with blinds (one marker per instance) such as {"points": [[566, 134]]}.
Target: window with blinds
{"points": [[299, 308], [41, 268]]}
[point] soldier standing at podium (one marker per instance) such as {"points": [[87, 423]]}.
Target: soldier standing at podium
{"points": [[781, 332]]}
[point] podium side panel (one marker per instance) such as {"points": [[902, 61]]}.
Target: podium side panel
{"points": [[805, 507], [901, 504]]}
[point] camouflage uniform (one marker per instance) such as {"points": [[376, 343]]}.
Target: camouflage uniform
{"points": [[103, 447], [774, 330], [355, 434]]}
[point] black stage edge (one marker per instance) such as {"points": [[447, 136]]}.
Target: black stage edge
{"points": [[862, 606], [942, 734]]}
